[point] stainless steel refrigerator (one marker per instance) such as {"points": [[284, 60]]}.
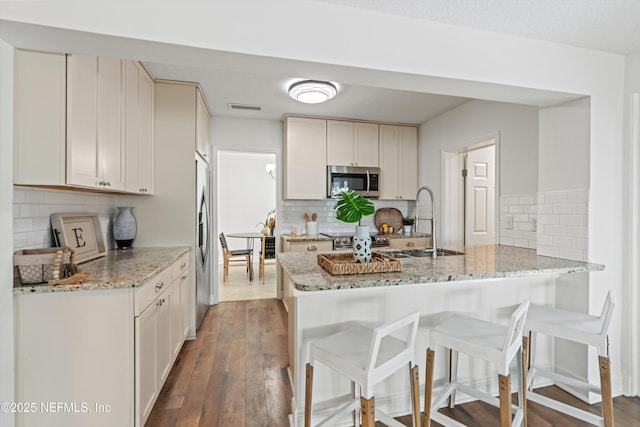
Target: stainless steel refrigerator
{"points": [[203, 239]]}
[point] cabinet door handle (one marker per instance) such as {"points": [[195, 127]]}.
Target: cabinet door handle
{"points": [[311, 248], [184, 277], [183, 264], [159, 285], [411, 244]]}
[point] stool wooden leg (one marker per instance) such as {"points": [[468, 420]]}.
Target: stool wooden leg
{"points": [[415, 395], [605, 386], [453, 375], [368, 411], [504, 384], [307, 395], [523, 379], [428, 388]]}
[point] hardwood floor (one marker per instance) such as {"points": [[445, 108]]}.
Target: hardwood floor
{"points": [[239, 288], [234, 375]]}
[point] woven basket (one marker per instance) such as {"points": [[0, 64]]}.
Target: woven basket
{"points": [[343, 263], [39, 265]]}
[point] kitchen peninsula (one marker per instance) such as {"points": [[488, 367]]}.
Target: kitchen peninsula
{"points": [[486, 282]]}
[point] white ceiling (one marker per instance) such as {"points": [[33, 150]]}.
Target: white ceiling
{"points": [[611, 25], [607, 25]]}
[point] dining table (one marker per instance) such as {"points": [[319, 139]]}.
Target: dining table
{"points": [[250, 236]]}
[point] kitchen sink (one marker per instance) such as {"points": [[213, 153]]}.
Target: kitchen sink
{"points": [[420, 253]]}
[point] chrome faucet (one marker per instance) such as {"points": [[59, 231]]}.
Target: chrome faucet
{"points": [[432, 219]]}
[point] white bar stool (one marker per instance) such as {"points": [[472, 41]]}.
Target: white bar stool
{"points": [[581, 328], [492, 342], [366, 356]]}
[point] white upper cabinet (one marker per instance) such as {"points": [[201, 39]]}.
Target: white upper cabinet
{"points": [[398, 162], [352, 143], [202, 126], [305, 153], [95, 145], [138, 128], [39, 118], [83, 121]]}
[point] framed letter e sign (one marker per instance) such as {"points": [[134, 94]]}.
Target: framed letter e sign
{"points": [[80, 231]]}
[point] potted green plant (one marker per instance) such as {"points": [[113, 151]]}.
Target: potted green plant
{"points": [[351, 207], [407, 224]]}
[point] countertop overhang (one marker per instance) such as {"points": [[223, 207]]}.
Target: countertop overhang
{"points": [[117, 269], [478, 262]]}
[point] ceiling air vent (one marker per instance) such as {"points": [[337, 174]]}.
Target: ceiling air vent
{"points": [[244, 107]]}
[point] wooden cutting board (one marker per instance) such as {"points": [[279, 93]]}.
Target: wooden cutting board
{"points": [[390, 216]]}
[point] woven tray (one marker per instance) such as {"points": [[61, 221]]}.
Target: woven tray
{"points": [[390, 216], [343, 263]]}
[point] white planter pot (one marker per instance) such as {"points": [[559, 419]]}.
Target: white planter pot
{"points": [[362, 244]]}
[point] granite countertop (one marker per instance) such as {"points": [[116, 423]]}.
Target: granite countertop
{"points": [[478, 262], [117, 269]]}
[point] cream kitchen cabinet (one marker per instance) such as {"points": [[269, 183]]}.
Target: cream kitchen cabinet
{"points": [[95, 146], [138, 128], [305, 158], [161, 324], [180, 307], [108, 351], [75, 115], [398, 162], [309, 246], [153, 342], [39, 118], [352, 143], [202, 126], [408, 243]]}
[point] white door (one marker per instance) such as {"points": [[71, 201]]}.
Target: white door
{"points": [[480, 196]]}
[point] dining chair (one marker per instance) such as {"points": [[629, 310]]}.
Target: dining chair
{"points": [[235, 258], [267, 253]]}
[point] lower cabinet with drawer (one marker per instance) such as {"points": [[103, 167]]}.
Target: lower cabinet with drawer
{"points": [[161, 312], [311, 246], [99, 357], [408, 243]]}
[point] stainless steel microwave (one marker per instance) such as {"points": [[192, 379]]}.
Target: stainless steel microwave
{"points": [[363, 180]]}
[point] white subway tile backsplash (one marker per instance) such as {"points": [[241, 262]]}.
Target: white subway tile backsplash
{"points": [[573, 254], [32, 208], [563, 220], [521, 211], [564, 209], [555, 230], [578, 197], [574, 220], [553, 197], [560, 217]]}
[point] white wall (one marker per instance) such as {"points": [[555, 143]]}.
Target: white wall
{"points": [[6, 231], [515, 126], [630, 300], [564, 146], [246, 193]]}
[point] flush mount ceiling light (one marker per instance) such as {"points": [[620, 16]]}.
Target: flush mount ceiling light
{"points": [[312, 91]]}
